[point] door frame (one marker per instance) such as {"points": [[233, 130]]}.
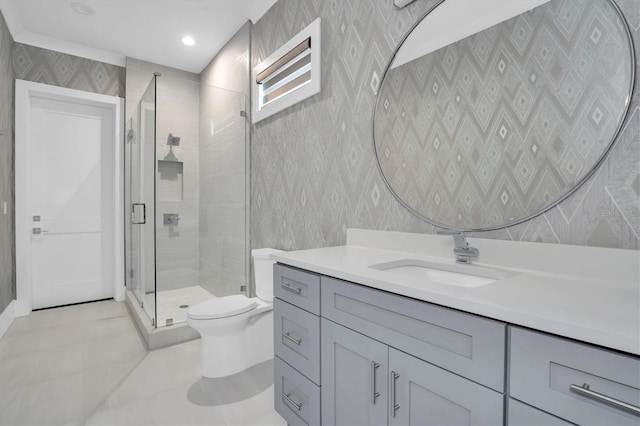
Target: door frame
{"points": [[25, 91]]}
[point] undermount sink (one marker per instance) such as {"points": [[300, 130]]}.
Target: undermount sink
{"points": [[458, 275]]}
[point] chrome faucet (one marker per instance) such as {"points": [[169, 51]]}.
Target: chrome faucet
{"points": [[464, 253]]}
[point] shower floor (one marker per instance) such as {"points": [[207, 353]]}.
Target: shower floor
{"points": [[169, 303]]}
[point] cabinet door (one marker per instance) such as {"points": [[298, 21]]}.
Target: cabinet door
{"points": [[354, 377], [423, 394], [465, 344]]}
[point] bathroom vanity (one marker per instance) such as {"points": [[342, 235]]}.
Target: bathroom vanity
{"points": [[543, 341]]}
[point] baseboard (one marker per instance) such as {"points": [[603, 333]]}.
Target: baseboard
{"points": [[7, 317]]}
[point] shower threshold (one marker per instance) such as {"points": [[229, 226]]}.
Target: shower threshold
{"points": [[156, 338]]}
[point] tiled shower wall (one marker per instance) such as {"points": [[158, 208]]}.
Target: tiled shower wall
{"points": [[7, 246], [224, 168], [313, 172], [178, 100], [208, 247]]}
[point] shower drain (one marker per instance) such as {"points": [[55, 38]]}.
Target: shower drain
{"points": [[183, 306]]}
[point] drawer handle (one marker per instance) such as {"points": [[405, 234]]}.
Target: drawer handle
{"points": [[584, 390], [286, 397], [293, 339], [374, 394], [393, 407], [296, 290]]}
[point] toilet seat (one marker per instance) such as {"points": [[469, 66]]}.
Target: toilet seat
{"points": [[222, 307]]}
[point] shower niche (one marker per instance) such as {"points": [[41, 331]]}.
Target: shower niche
{"points": [[171, 174], [170, 180]]}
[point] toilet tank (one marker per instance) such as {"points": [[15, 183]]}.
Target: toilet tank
{"points": [[263, 270]]}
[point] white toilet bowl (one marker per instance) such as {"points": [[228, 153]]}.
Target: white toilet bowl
{"points": [[237, 331]]}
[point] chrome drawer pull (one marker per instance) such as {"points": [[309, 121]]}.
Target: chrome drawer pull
{"points": [[293, 339], [295, 290], [393, 407], [286, 397], [374, 394], [584, 390]]}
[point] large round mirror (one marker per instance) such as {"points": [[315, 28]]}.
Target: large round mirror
{"points": [[493, 111]]}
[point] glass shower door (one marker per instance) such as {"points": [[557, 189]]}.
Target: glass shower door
{"points": [[140, 166]]}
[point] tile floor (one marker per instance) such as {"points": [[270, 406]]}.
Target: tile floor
{"points": [[86, 364], [169, 302]]}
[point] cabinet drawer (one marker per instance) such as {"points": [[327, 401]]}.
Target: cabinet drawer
{"points": [[523, 415], [297, 399], [297, 338], [465, 344], [544, 368], [297, 287]]}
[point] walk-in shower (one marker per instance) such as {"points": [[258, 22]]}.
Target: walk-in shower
{"points": [[185, 177]]}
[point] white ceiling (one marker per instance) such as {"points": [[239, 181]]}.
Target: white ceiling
{"points": [[150, 30]]}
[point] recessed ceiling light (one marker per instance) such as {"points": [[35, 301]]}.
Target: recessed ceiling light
{"points": [[188, 40], [82, 8]]}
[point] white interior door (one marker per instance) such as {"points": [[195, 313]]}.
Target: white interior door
{"points": [[70, 207]]}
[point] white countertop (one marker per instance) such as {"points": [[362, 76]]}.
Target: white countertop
{"points": [[579, 302]]}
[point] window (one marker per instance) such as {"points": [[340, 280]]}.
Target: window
{"points": [[289, 75]]}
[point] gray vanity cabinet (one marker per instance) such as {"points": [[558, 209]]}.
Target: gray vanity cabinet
{"points": [[368, 376], [365, 382], [465, 344], [354, 377], [348, 354]]}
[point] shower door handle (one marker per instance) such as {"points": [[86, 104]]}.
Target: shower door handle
{"points": [[133, 213]]}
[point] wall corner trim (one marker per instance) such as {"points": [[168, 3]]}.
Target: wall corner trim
{"points": [[7, 317]]}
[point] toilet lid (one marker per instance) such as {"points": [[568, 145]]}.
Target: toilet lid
{"points": [[222, 307]]}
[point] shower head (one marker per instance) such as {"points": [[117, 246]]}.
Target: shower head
{"points": [[173, 140]]}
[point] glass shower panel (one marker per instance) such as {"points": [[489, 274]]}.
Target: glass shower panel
{"points": [[201, 152], [176, 180], [223, 197], [141, 199], [187, 164]]}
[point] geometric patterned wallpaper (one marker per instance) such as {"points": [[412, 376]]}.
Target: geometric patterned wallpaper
{"points": [[59, 69], [313, 171], [496, 126], [7, 247]]}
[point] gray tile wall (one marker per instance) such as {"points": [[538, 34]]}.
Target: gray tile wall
{"points": [[7, 237], [177, 107], [178, 103], [59, 69], [313, 173], [224, 168]]}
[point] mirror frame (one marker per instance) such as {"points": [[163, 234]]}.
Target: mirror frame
{"points": [[598, 163]]}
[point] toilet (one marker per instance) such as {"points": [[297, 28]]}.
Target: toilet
{"points": [[237, 331]]}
